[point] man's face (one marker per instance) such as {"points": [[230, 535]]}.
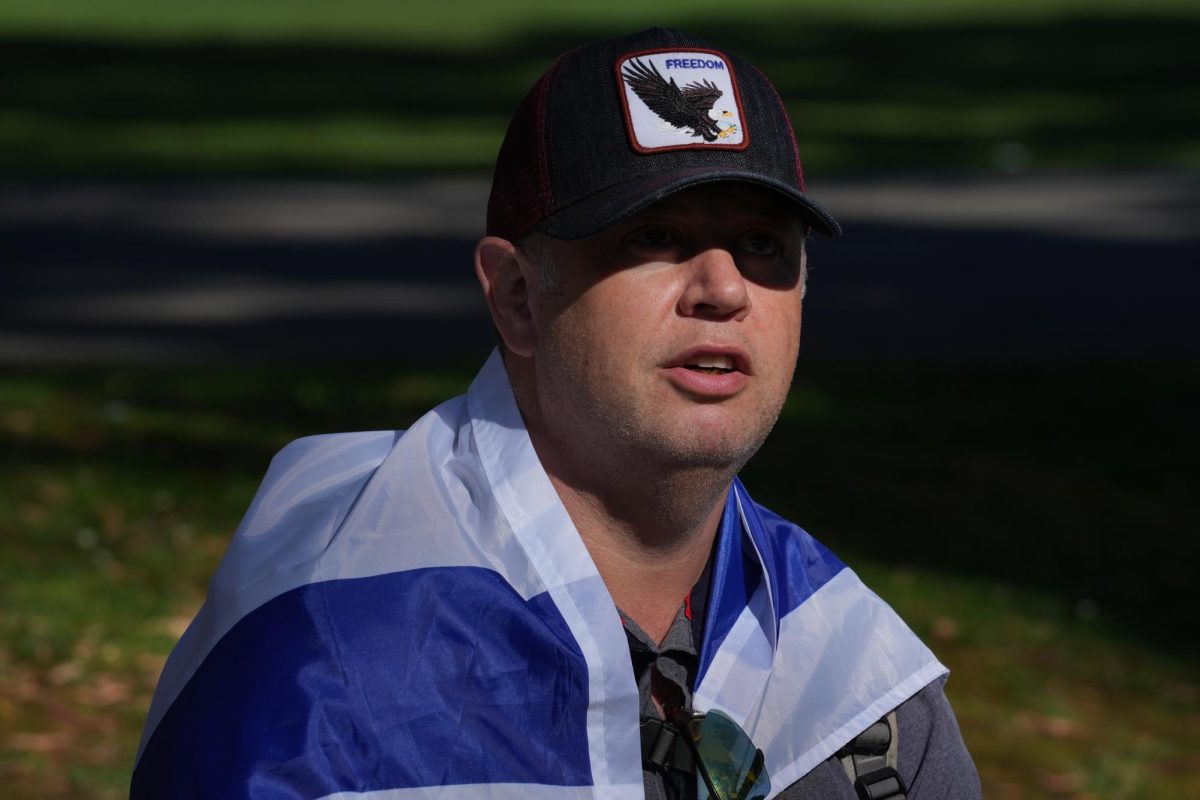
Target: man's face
{"points": [[671, 338]]}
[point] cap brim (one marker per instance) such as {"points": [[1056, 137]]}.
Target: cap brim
{"points": [[600, 211]]}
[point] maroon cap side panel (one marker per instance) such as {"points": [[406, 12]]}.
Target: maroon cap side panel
{"points": [[521, 192], [515, 182], [786, 121], [545, 190]]}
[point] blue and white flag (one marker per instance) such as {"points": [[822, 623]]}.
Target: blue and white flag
{"points": [[413, 615]]}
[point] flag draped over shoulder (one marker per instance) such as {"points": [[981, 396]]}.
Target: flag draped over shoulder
{"points": [[413, 615]]}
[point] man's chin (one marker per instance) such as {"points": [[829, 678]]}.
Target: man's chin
{"points": [[723, 451]]}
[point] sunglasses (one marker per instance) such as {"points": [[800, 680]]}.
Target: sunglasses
{"points": [[726, 764]]}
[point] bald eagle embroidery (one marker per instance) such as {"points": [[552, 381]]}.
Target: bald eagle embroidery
{"points": [[681, 108]]}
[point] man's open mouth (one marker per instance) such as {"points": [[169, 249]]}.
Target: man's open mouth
{"points": [[711, 364]]}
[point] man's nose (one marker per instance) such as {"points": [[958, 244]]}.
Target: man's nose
{"points": [[715, 287]]}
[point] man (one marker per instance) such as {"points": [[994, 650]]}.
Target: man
{"points": [[555, 586]]}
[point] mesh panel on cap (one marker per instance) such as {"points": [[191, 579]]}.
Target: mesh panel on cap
{"points": [[521, 193]]}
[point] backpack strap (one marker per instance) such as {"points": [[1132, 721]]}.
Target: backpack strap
{"points": [[870, 761]]}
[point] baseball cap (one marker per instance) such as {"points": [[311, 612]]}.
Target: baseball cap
{"points": [[615, 126]]}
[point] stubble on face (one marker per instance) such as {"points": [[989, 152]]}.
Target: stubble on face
{"points": [[628, 425]]}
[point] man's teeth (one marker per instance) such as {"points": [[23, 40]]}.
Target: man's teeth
{"points": [[711, 363]]}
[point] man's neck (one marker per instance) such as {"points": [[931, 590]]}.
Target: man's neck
{"points": [[652, 544], [649, 523]]}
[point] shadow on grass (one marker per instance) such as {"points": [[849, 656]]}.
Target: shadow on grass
{"points": [[1100, 91]]}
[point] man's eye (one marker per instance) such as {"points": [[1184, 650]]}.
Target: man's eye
{"points": [[655, 237], [759, 243]]}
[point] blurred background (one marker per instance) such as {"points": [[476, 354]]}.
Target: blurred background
{"points": [[229, 224]]}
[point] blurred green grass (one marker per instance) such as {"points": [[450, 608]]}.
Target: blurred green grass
{"points": [[374, 88], [1033, 525], [466, 23]]}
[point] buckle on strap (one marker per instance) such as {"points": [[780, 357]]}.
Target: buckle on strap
{"points": [[663, 747], [882, 784], [874, 741]]}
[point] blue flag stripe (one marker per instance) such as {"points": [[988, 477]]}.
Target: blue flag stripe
{"points": [[797, 564], [734, 579], [429, 677]]}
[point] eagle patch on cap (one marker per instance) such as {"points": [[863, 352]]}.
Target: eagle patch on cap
{"points": [[681, 99]]}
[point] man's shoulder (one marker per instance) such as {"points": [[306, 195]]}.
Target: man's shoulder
{"points": [[324, 470], [301, 518], [331, 467], [333, 450], [932, 760], [330, 451]]}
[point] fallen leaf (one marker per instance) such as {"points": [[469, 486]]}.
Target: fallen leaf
{"points": [[40, 742], [944, 629], [1062, 782]]}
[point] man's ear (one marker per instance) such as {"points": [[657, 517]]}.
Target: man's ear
{"points": [[506, 289]]}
